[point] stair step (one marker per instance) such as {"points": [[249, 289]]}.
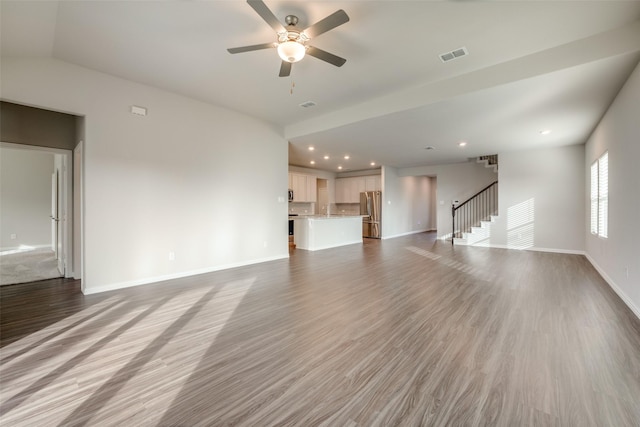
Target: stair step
{"points": [[478, 236]]}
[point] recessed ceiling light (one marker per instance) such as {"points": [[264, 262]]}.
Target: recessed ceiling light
{"points": [[346, 157], [313, 162], [339, 167], [326, 157], [311, 148], [373, 163], [545, 132], [462, 144]]}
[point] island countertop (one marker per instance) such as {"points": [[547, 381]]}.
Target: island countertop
{"points": [[337, 216]]}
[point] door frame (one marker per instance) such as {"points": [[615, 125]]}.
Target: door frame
{"points": [[65, 197]]}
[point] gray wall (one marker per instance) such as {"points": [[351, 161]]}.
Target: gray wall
{"points": [[541, 200], [25, 197], [203, 183], [617, 258]]}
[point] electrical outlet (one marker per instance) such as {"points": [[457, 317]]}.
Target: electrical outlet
{"points": [[626, 271], [172, 256], [13, 236], [265, 244]]}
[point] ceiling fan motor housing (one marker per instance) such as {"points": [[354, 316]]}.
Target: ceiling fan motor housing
{"points": [[291, 42]]}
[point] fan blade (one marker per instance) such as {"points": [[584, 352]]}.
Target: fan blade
{"points": [[330, 22], [285, 69], [326, 56], [252, 47], [266, 14]]}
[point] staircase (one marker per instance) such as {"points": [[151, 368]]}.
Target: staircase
{"points": [[477, 236], [472, 219], [489, 161]]}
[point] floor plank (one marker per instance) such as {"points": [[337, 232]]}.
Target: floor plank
{"points": [[407, 331]]}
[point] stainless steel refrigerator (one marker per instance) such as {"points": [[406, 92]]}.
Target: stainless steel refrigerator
{"points": [[371, 209]]}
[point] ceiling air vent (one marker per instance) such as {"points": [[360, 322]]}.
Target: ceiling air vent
{"points": [[454, 54], [308, 104]]}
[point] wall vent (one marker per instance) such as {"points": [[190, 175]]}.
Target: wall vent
{"points": [[454, 54], [308, 104]]}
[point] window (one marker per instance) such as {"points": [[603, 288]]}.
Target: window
{"points": [[600, 196]]}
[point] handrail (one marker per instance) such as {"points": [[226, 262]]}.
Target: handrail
{"points": [[477, 208], [474, 196]]}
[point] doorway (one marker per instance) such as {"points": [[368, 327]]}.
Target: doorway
{"points": [[36, 202]]}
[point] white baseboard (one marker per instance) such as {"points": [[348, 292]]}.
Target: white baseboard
{"points": [[148, 280], [533, 248], [614, 286]]}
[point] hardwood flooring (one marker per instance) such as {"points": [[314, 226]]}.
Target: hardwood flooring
{"points": [[405, 331]]}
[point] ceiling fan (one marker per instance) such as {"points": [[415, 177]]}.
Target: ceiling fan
{"points": [[292, 41]]}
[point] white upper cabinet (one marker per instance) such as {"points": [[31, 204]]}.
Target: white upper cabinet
{"points": [[312, 185], [303, 186], [348, 189]]}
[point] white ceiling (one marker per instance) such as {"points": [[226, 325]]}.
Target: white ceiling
{"points": [[532, 65]]}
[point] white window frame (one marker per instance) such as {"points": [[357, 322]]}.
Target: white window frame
{"points": [[600, 196]]}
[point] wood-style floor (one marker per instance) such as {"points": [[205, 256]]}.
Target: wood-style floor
{"points": [[406, 331]]}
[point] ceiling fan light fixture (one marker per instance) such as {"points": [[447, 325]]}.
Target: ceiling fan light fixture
{"points": [[291, 51]]}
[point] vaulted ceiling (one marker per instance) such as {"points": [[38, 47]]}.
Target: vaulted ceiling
{"points": [[532, 66]]}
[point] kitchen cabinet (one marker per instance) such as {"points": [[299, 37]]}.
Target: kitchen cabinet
{"points": [[348, 189], [372, 183], [312, 188], [342, 190], [303, 186]]}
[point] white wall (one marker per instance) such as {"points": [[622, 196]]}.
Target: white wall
{"points": [[541, 200], [25, 197], [618, 257], [203, 182], [406, 203], [457, 181]]}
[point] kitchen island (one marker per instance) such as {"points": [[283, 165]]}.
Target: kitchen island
{"points": [[315, 232]]}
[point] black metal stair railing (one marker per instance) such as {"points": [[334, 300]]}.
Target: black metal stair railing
{"points": [[476, 208]]}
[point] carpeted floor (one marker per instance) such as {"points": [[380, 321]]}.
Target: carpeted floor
{"points": [[28, 266]]}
